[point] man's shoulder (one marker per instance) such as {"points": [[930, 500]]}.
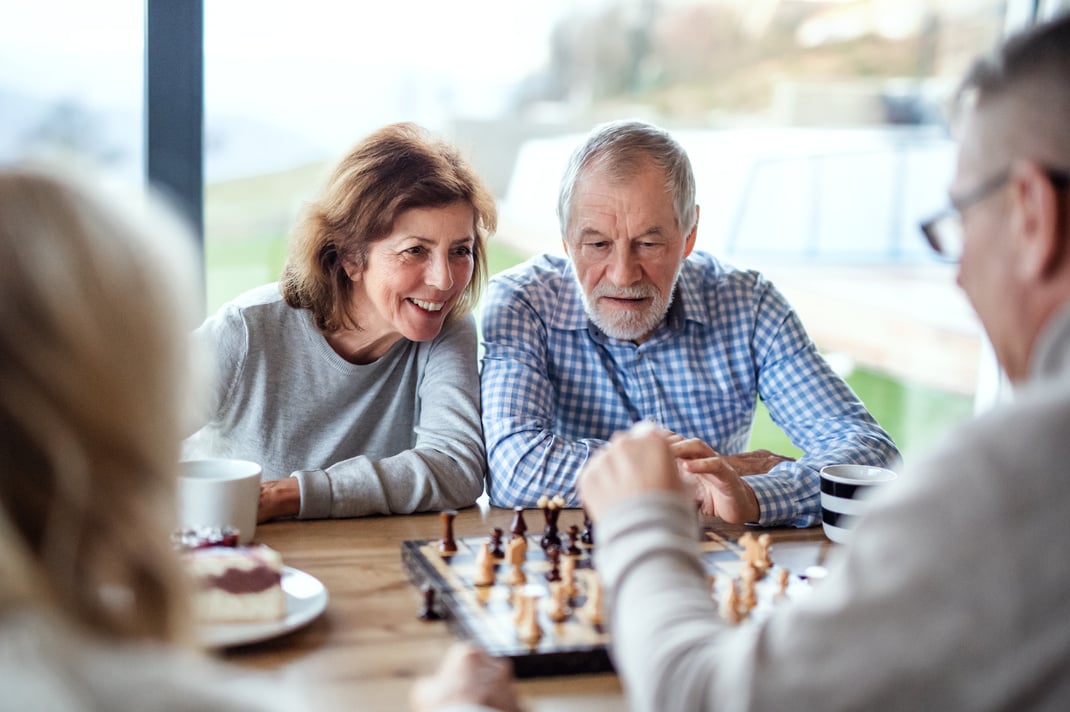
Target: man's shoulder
{"points": [[709, 280]]}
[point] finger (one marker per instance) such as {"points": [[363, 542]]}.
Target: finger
{"points": [[692, 448]]}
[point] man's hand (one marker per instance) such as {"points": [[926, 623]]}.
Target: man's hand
{"points": [[278, 498], [467, 675], [634, 462], [718, 479]]}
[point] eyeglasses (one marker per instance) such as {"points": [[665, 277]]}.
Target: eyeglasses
{"points": [[943, 231]]}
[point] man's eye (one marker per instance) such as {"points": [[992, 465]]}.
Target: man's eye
{"points": [[415, 250]]}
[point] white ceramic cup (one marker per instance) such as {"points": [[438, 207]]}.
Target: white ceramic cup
{"points": [[219, 493], [845, 494]]}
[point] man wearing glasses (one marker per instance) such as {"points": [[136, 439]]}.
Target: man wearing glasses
{"points": [[953, 593]]}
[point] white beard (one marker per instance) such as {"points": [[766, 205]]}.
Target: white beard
{"points": [[627, 325]]}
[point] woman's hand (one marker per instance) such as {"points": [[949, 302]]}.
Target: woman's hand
{"points": [[278, 498]]}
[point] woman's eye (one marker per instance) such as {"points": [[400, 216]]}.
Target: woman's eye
{"points": [[464, 251]]}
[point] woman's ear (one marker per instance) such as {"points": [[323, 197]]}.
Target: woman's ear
{"points": [[353, 270]]}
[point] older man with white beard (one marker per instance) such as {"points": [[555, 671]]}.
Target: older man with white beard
{"points": [[634, 325]]}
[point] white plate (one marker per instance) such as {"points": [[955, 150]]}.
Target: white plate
{"points": [[306, 598]]}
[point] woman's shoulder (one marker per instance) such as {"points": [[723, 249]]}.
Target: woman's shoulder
{"points": [[49, 666]]}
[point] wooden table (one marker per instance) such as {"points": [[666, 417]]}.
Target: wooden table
{"points": [[369, 645]]}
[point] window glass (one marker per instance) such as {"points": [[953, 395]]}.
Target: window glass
{"points": [[818, 132], [71, 82]]}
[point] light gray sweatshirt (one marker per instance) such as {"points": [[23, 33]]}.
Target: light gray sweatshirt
{"points": [[952, 594], [398, 435]]}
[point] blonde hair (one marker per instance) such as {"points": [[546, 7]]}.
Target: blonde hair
{"points": [[92, 343], [397, 168]]}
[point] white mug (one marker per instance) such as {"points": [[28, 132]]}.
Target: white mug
{"points": [[219, 493]]}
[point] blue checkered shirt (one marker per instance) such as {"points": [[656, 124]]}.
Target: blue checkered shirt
{"points": [[555, 387]]}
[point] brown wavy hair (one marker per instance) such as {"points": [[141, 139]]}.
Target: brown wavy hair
{"points": [[396, 168]]}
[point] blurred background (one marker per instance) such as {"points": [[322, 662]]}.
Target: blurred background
{"points": [[818, 131]]}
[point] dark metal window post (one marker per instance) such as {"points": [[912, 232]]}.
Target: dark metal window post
{"points": [[174, 105]]}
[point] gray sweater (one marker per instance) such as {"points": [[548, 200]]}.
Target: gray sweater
{"points": [[398, 435], [951, 596]]}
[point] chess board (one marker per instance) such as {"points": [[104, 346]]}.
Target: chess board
{"points": [[484, 614]]}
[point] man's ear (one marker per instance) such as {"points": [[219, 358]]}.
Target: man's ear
{"points": [[564, 244], [1035, 220], [689, 243]]}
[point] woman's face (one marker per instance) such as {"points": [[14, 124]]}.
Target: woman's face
{"points": [[415, 275]]}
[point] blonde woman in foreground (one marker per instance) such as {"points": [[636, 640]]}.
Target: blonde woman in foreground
{"points": [[94, 316]]}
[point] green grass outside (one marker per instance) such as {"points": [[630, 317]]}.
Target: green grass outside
{"points": [[915, 416]]}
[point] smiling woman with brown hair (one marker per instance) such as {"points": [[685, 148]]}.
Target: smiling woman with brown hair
{"points": [[354, 380]]}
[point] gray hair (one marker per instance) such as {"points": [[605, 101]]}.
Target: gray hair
{"points": [[621, 148], [1031, 70]]}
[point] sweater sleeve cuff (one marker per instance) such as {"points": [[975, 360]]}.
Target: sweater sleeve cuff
{"points": [[315, 494]]}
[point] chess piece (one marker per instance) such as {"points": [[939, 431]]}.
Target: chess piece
{"points": [[519, 526], [557, 609], [730, 604], [528, 630], [592, 608], [484, 572], [588, 530], [568, 576], [496, 543], [573, 537], [448, 545], [551, 509], [782, 582], [553, 555], [518, 549], [748, 598], [765, 543], [756, 552], [428, 612]]}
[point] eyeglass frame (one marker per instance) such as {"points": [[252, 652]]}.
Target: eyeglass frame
{"points": [[930, 228]]}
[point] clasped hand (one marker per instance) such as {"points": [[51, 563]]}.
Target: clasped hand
{"points": [[643, 460]]}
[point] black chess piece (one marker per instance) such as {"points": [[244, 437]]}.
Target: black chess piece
{"points": [[428, 612], [588, 530], [573, 538], [553, 555], [496, 543], [550, 536], [519, 525]]}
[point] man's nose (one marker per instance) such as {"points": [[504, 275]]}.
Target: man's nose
{"points": [[625, 269]]}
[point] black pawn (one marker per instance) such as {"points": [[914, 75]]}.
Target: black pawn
{"points": [[496, 543], [554, 556], [428, 612], [550, 536], [573, 538], [588, 530]]}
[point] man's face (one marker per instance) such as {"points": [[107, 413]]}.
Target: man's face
{"points": [[984, 273], [627, 250]]}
